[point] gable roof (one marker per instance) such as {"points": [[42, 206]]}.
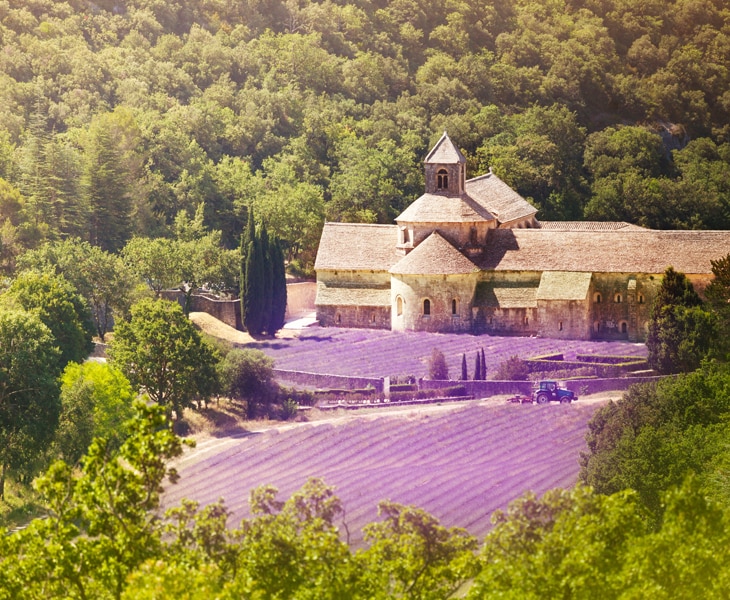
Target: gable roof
{"points": [[357, 247], [436, 208], [445, 153], [499, 199], [505, 294], [434, 256], [562, 285], [590, 226], [631, 251]]}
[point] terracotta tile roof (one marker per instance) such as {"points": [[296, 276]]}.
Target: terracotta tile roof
{"points": [[434, 256], [435, 208], [445, 153], [634, 251], [590, 226], [560, 285], [358, 247], [505, 294], [351, 296], [498, 198]]}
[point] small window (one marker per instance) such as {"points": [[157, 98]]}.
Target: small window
{"points": [[641, 298], [560, 326], [526, 321], [454, 307], [399, 306], [597, 298], [426, 307], [442, 179], [338, 319], [597, 326], [617, 298], [624, 327]]}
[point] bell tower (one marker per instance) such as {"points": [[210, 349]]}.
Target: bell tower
{"points": [[445, 169]]}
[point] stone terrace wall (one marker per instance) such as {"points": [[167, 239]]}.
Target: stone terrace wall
{"points": [[227, 311], [494, 388], [323, 381], [478, 389]]}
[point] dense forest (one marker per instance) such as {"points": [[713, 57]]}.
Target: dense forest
{"points": [[117, 116]]}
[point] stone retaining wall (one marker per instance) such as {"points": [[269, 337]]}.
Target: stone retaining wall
{"points": [[478, 389]]}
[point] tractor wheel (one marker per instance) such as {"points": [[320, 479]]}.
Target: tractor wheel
{"points": [[542, 399], [565, 400]]}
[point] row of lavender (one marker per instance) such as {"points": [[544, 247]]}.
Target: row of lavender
{"points": [[378, 353]]}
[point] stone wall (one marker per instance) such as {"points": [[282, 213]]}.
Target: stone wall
{"points": [[300, 298], [441, 291], [227, 311], [324, 381], [478, 389]]}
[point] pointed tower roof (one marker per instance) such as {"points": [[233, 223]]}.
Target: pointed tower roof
{"points": [[445, 153]]}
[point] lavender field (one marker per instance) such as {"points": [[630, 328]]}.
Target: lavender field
{"points": [[459, 464], [379, 353]]}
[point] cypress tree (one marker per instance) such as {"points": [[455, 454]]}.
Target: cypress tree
{"points": [[247, 237], [477, 367], [278, 298], [267, 276], [483, 371], [464, 371], [253, 296]]}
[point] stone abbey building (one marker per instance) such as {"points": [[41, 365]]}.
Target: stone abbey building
{"points": [[469, 255]]}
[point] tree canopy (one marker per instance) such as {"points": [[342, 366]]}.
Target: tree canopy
{"points": [[118, 116]]}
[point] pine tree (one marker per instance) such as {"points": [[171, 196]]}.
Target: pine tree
{"points": [[464, 371]]}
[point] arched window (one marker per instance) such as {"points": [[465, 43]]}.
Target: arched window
{"points": [[442, 179], [597, 298], [454, 307], [617, 298], [426, 307], [560, 326], [641, 298], [624, 327], [399, 306]]}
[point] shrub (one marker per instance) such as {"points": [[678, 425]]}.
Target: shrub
{"points": [[513, 369], [437, 368]]}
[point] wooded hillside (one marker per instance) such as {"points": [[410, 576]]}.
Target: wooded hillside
{"points": [[115, 116]]}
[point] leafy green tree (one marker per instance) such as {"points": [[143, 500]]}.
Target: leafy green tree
{"points": [[680, 331], [718, 298], [160, 351], [655, 436], [102, 522], [155, 261], [60, 308], [512, 369], [579, 544], [29, 394], [418, 557], [247, 374], [96, 401], [103, 279]]}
